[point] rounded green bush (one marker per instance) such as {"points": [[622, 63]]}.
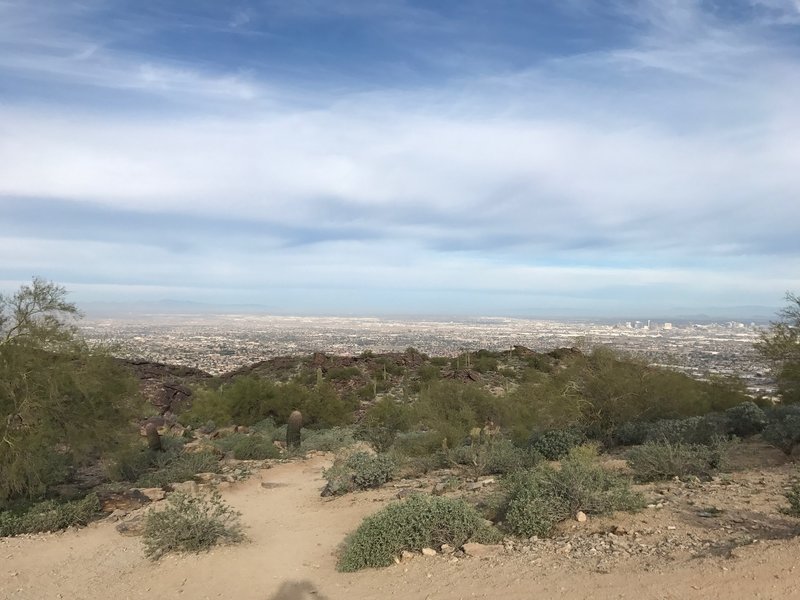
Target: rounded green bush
{"points": [[554, 444], [413, 524], [359, 471], [249, 447], [538, 499], [746, 419], [190, 524]]}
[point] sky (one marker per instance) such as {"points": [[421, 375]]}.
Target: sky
{"points": [[503, 157]]}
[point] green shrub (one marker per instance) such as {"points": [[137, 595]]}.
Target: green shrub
{"points": [[417, 443], [179, 468], [190, 524], [654, 461], [133, 461], [632, 433], [49, 516], [671, 430], [494, 457], [342, 373], [413, 524], [537, 500], [532, 507], [793, 496], [691, 430], [130, 463], [783, 428], [555, 443], [358, 471], [746, 419], [326, 440], [249, 447], [417, 466], [250, 400]]}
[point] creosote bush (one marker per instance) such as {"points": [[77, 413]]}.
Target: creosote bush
{"points": [[654, 461], [49, 516], [358, 471], [793, 496], [190, 524], [746, 419], [538, 499], [555, 443], [326, 440], [494, 457], [249, 447], [783, 427], [177, 469], [413, 524]]}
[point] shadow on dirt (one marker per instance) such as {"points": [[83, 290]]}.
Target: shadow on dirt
{"points": [[298, 590]]}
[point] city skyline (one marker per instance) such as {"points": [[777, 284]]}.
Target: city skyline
{"points": [[592, 159]]}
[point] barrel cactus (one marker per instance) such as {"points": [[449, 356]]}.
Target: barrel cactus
{"points": [[293, 429], [153, 438]]}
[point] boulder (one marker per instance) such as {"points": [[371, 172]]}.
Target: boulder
{"points": [[128, 500], [132, 526]]}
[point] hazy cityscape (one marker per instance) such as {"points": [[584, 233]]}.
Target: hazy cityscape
{"points": [[222, 343]]}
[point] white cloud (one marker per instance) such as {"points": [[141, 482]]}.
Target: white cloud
{"points": [[677, 158]]}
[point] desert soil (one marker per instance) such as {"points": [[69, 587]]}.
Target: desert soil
{"points": [[678, 550]]}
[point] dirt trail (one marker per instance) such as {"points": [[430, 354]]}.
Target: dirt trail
{"points": [[293, 538]]}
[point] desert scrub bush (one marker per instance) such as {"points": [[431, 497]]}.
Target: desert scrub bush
{"points": [[49, 516], [654, 461], [793, 496], [248, 447], [326, 440], [538, 499], [746, 419], [555, 443], [131, 462], [413, 524], [783, 428], [176, 469], [190, 524], [358, 471], [494, 457]]}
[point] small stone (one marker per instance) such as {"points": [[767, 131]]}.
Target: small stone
{"points": [[428, 552], [406, 555], [581, 517], [447, 549], [473, 486]]}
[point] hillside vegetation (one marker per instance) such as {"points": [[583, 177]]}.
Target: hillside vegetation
{"points": [[79, 438]]}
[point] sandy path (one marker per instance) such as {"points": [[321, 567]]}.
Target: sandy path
{"points": [[293, 537]]}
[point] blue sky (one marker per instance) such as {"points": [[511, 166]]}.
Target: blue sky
{"points": [[387, 156]]}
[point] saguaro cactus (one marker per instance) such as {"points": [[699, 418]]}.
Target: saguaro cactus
{"points": [[153, 439], [293, 429]]}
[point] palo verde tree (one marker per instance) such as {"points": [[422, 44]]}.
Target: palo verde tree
{"points": [[61, 402], [780, 344]]}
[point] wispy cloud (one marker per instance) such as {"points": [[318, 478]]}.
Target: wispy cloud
{"points": [[667, 160]]}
